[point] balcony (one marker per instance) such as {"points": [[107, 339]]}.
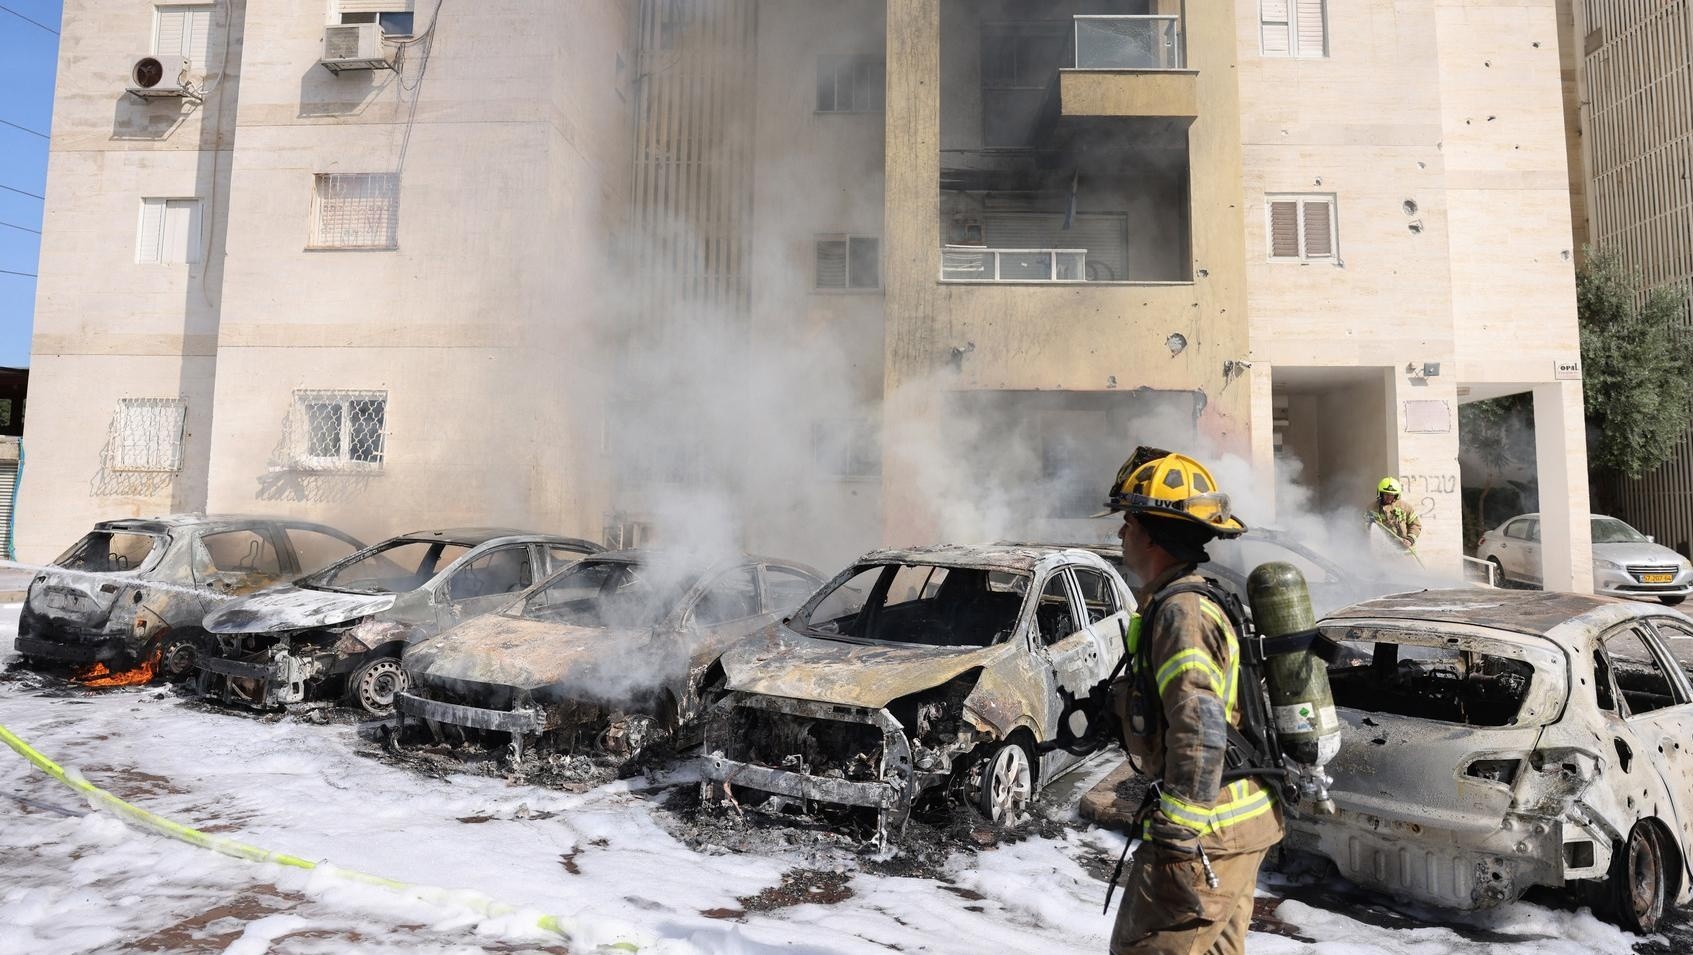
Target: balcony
{"points": [[1130, 66], [969, 263]]}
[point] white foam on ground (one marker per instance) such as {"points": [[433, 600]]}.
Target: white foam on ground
{"points": [[91, 884]]}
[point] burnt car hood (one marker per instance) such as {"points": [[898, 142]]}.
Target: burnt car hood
{"points": [[850, 674], [294, 608], [530, 655]]}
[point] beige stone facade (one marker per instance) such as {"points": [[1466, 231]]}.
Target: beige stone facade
{"points": [[1018, 235]]}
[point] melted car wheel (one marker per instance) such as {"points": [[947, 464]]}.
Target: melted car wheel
{"points": [[1006, 785], [1639, 882], [176, 658], [374, 686]]}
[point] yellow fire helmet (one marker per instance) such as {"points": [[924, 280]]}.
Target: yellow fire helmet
{"points": [[1155, 481]]}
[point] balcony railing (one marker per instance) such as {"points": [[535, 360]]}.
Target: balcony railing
{"points": [[1130, 42], [972, 263]]}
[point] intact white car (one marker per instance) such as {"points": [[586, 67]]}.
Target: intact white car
{"points": [[1626, 563]]}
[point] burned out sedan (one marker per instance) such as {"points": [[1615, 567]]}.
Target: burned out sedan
{"points": [[338, 633], [602, 656], [129, 597], [953, 669], [1497, 740]]}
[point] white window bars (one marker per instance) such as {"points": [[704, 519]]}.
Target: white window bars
{"points": [[1148, 42], [339, 430], [356, 211], [146, 435], [970, 263]]}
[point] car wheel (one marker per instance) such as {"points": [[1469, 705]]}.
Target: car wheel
{"points": [[1672, 601], [1639, 881], [1498, 571], [177, 658], [374, 686], [1006, 785]]}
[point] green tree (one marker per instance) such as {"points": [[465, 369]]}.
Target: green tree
{"points": [[1637, 366]]}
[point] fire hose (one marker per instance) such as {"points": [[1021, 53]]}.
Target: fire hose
{"points": [[140, 818]]}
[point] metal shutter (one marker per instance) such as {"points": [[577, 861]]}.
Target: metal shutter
{"points": [[8, 484], [1284, 229], [1276, 28], [376, 6], [1105, 237], [1319, 228], [150, 232], [1313, 27]]}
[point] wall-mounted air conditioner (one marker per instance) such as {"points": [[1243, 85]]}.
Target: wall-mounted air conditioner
{"points": [[161, 74], [355, 46]]}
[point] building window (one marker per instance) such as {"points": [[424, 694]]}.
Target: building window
{"points": [[850, 84], [846, 448], [395, 16], [183, 29], [169, 233], [1019, 62], [1295, 27], [146, 435], [1301, 228], [356, 211], [849, 262], [339, 430]]}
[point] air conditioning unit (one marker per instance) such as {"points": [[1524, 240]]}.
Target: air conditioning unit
{"points": [[161, 74], [355, 46]]}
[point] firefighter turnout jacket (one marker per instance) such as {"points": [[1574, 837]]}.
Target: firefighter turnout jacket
{"points": [[1188, 661], [1398, 520]]}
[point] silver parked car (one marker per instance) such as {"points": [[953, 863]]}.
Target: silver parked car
{"points": [[134, 591], [1494, 741], [1626, 563], [339, 632]]}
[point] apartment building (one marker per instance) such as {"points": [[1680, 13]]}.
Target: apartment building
{"points": [[1631, 125], [872, 270]]}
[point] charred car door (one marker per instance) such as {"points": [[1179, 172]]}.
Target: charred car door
{"points": [[1646, 700], [237, 561], [485, 582]]}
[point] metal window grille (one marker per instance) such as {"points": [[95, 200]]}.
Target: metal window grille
{"points": [[339, 430], [146, 435], [850, 84], [356, 211]]}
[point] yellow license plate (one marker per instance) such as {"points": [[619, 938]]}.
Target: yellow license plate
{"points": [[1657, 578]]}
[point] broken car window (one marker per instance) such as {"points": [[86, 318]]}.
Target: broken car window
{"points": [[786, 589], [732, 596], [599, 594], [1640, 678], [502, 571], [1054, 616], [110, 552], [1448, 679], [393, 567], [1098, 596], [241, 552], [315, 549], [935, 606]]}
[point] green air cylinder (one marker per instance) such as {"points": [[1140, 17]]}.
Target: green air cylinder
{"points": [[1301, 705]]}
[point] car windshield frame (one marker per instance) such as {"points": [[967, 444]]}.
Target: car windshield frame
{"points": [[890, 569], [521, 609], [319, 580], [1595, 523], [161, 543]]}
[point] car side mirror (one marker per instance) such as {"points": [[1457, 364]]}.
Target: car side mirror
{"points": [[1650, 539]]}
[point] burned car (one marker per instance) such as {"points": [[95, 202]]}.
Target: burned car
{"points": [[956, 670], [1494, 741], [129, 596], [338, 633], [601, 656]]}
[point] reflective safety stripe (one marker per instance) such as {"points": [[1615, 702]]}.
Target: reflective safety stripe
{"points": [[1192, 658], [1243, 800]]}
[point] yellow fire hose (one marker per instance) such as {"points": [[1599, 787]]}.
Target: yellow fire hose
{"points": [[141, 818]]}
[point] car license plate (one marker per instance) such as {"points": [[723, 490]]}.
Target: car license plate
{"points": [[1657, 578]]}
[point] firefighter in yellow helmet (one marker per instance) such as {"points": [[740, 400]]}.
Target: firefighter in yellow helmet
{"points": [[1400, 522], [1191, 887]]}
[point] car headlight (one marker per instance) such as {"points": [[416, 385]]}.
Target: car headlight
{"points": [[1607, 564]]}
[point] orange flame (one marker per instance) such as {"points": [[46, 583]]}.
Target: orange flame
{"points": [[98, 675]]}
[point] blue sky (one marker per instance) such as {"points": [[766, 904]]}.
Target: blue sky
{"points": [[31, 55]]}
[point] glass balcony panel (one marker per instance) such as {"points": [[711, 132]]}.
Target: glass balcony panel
{"points": [[967, 266], [1128, 43], [1025, 266]]}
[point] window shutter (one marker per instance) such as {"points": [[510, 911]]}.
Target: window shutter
{"points": [[150, 233], [1312, 27], [168, 37], [1276, 28], [197, 35], [377, 6], [181, 235], [1319, 229], [1284, 230], [831, 263]]}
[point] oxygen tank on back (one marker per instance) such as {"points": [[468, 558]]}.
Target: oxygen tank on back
{"points": [[1301, 704]]}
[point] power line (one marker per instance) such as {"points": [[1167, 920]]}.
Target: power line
{"points": [[22, 193], [26, 129], [20, 228], [27, 275], [28, 20]]}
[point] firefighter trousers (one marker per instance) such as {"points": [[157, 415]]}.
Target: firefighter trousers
{"points": [[1168, 909]]}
